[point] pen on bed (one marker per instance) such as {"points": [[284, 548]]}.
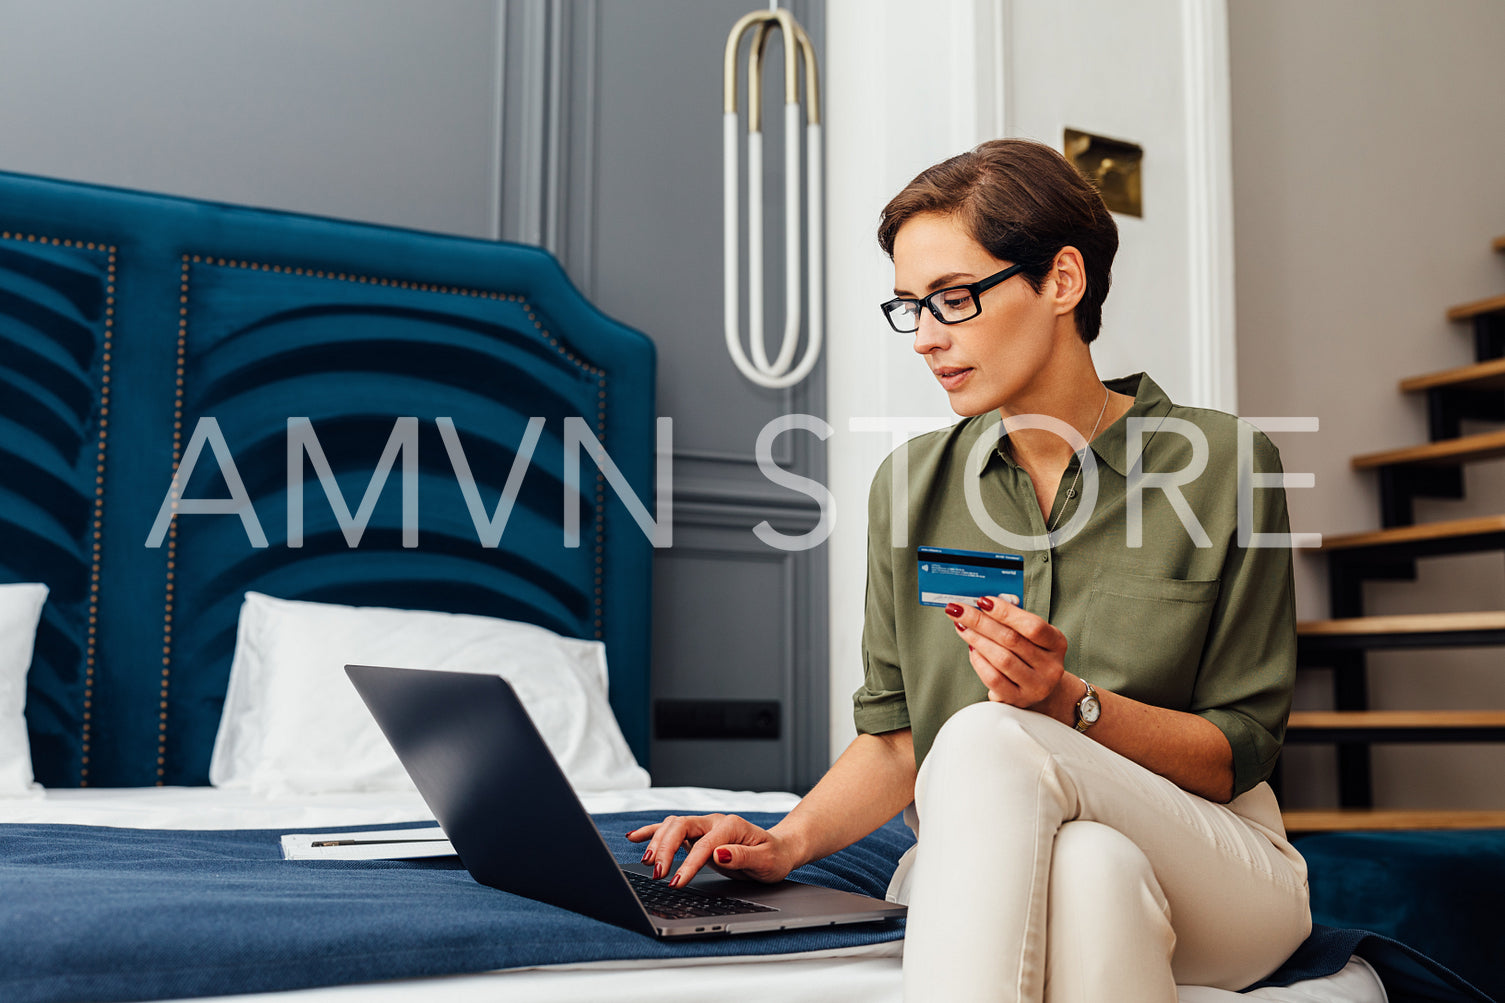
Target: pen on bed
{"points": [[373, 842]]}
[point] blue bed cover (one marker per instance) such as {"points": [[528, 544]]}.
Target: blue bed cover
{"points": [[95, 913]]}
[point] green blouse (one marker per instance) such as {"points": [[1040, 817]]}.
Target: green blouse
{"points": [[1188, 616]]}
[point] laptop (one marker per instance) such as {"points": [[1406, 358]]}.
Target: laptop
{"points": [[501, 798]]}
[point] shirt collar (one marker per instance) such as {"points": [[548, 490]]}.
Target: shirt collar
{"points": [[1112, 445]]}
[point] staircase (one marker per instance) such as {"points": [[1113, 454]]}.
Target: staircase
{"points": [[1435, 470]]}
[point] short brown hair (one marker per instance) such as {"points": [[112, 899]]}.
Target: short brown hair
{"points": [[1023, 202]]}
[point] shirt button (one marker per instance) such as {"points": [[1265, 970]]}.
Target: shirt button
{"points": [[1044, 558]]}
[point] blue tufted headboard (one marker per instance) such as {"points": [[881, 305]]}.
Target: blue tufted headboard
{"points": [[125, 318]]}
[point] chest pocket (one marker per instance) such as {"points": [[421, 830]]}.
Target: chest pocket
{"points": [[1144, 635]]}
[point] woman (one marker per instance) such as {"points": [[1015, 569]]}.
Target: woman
{"points": [[1084, 769]]}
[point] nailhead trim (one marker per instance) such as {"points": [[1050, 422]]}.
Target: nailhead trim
{"points": [[170, 585]]}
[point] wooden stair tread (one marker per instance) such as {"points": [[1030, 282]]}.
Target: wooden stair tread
{"points": [[1337, 719], [1382, 819], [1478, 376], [1367, 727], [1448, 452], [1406, 623], [1426, 531], [1463, 311]]}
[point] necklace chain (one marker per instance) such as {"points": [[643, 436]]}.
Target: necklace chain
{"points": [[1071, 491]]}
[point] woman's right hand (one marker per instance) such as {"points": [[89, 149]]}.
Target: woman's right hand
{"points": [[871, 781], [729, 843]]}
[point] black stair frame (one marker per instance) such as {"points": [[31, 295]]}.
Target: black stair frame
{"points": [[1321, 651], [1350, 675], [1489, 336], [1348, 569], [1352, 566], [1346, 654], [1401, 484], [1449, 407]]}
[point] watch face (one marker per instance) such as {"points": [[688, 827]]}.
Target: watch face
{"points": [[1090, 709]]}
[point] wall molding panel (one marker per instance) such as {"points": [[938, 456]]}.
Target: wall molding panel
{"points": [[609, 129], [787, 632]]}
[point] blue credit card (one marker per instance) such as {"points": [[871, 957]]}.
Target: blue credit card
{"points": [[962, 576]]}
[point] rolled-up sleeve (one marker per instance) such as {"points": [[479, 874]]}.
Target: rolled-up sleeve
{"points": [[1248, 667], [880, 704]]}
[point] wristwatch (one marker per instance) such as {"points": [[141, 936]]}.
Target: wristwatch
{"points": [[1088, 709]]}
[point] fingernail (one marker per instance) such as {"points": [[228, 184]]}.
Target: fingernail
{"points": [[970, 648], [658, 871], [961, 627], [676, 881], [630, 832], [984, 603], [647, 853], [952, 609], [1013, 600], [723, 856]]}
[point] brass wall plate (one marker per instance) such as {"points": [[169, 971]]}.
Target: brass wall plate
{"points": [[1111, 164]]}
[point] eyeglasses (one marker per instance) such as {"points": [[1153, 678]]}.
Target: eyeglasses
{"points": [[951, 305]]}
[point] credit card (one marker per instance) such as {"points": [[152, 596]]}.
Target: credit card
{"points": [[962, 576]]}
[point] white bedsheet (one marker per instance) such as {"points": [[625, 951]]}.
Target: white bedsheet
{"points": [[860, 975], [212, 808]]}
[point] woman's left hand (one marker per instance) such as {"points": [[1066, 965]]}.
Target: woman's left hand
{"points": [[1018, 656]]}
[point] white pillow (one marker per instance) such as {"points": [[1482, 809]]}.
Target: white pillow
{"points": [[20, 611], [294, 724]]}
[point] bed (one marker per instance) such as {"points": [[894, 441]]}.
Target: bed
{"points": [[170, 644]]}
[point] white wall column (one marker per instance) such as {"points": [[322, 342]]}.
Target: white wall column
{"points": [[892, 109]]}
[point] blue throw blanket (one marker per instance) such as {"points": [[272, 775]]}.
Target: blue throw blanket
{"points": [[90, 913], [1438, 891]]}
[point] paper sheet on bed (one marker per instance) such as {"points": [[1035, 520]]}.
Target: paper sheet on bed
{"points": [[370, 844]]}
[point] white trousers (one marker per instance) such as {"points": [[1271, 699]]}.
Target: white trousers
{"points": [[1050, 868]]}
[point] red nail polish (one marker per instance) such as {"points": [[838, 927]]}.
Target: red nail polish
{"points": [[647, 853], [984, 603], [658, 871], [961, 627], [970, 648], [952, 609], [676, 881], [723, 856]]}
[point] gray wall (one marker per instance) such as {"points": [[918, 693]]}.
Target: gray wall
{"points": [[1367, 143], [378, 110], [591, 127], [734, 619]]}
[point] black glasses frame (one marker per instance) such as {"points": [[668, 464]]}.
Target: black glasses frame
{"points": [[929, 302]]}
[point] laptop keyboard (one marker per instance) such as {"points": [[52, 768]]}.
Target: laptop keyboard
{"points": [[687, 903]]}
